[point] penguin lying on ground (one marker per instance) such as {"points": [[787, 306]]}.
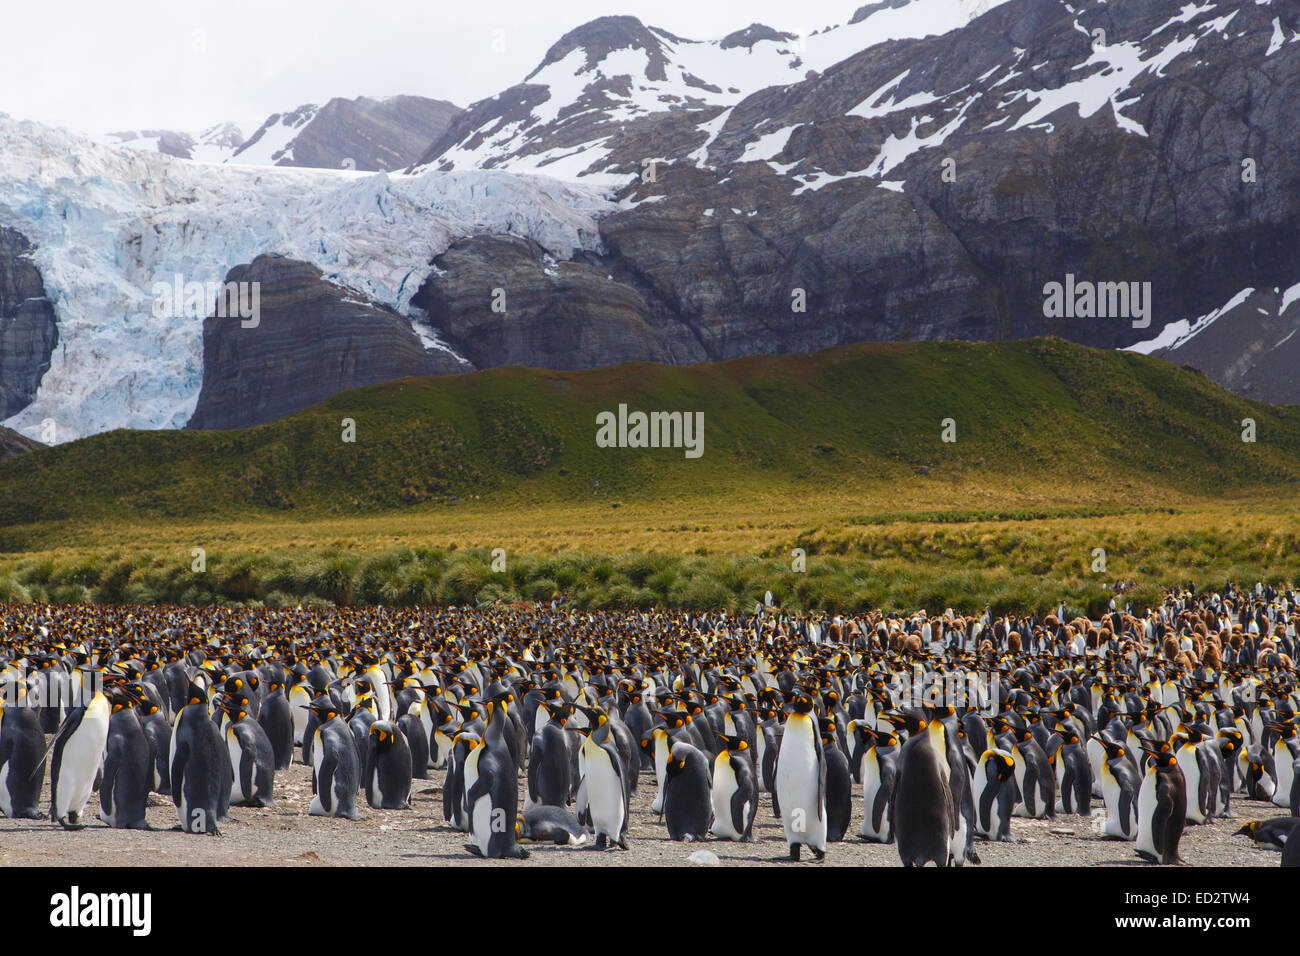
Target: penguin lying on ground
{"points": [[548, 824]]}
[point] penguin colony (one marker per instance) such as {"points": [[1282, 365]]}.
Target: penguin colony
{"points": [[542, 723]]}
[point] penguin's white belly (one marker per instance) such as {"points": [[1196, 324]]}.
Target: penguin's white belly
{"points": [[1116, 825], [1192, 774], [300, 717], [481, 822], [661, 773], [1022, 808], [605, 797], [870, 788], [1284, 769], [1146, 811], [6, 801], [724, 786], [81, 759], [237, 794], [802, 815], [1096, 757], [320, 807]]}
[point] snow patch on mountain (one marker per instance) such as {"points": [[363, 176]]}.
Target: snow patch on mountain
{"points": [[630, 82], [110, 223], [1179, 333]]}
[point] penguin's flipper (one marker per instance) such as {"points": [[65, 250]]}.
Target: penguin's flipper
{"points": [[1127, 810], [739, 803], [985, 806], [112, 762], [482, 787], [1160, 821], [821, 774], [179, 761], [325, 781]]}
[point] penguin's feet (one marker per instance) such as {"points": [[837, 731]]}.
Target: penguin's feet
{"points": [[602, 842], [622, 844], [794, 852], [819, 854], [474, 850]]}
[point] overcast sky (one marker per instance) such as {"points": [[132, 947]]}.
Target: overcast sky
{"points": [[101, 65]]}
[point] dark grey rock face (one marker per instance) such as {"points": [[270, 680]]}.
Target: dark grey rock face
{"points": [[313, 339], [561, 315], [1148, 188], [28, 331], [1251, 347], [368, 134], [12, 443]]}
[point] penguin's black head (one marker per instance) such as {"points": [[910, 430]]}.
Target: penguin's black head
{"points": [[733, 743], [801, 702], [325, 712], [196, 695], [1004, 767]]}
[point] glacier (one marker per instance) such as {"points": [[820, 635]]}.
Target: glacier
{"points": [[109, 222]]}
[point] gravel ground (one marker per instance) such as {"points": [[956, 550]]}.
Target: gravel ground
{"points": [[285, 835]]}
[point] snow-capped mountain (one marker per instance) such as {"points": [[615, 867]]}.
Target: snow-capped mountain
{"points": [[365, 134], [213, 145], [927, 185], [108, 224], [924, 171], [362, 134], [1247, 344], [576, 114]]}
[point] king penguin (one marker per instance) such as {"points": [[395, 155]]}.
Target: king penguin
{"points": [[128, 766], [735, 790], [879, 767], [388, 768], [1162, 809], [22, 756], [492, 796], [925, 817], [1120, 786], [252, 756], [801, 779], [78, 754], [994, 792], [336, 769], [600, 769], [276, 718], [201, 773], [839, 784], [688, 808]]}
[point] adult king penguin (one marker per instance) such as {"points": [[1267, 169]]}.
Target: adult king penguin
{"points": [[492, 797], [801, 779], [1162, 808], [735, 790], [201, 774], [78, 753], [389, 767], [128, 766], [22, 756], [925, 817]]}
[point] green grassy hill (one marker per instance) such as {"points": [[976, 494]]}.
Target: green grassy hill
{"points": [[1041, 413]]}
